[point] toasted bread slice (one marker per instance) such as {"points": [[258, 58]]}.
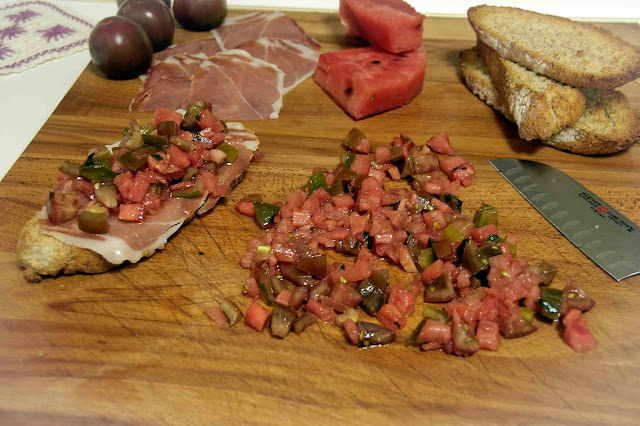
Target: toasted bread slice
{"points": [[609, 123], [575, 53], [540, 106], [478, 78], [40, 254]]}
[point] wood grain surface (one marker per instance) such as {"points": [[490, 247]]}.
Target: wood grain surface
{"points": [[133, 345]]}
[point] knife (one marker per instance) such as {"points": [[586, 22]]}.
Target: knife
{"points": [[601, 232]]}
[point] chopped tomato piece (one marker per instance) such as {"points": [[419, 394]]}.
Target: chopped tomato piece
{"points": [[488, 334], [484, 232], [322, 312], [447, 165], [163, 114], [434, 332], [178, 158], [216, 314], [390, 317], [246, 208], [441, 144], [577, 333], [132, 212], [383, 154], [433, 271], [361, 164], [257, 316], [284, 297], [353, 331]]}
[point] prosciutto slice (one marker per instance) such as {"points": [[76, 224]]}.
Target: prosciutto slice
{"points": [[238, 86], [207, 47], [127, 241], [296, 60], [239, 29], [167, 83]]}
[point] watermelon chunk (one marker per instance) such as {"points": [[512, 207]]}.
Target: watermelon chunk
{"points": [[391, 25], [366, 80]]}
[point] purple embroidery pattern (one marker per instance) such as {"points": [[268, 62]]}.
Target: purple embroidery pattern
{"points": [[23, 16], [55, 32], [11, 32], [32, 32], [5, 52]]}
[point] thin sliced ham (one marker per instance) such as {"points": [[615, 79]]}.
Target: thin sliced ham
{"points": [[239, 29], [238, 86], [167, 83], [127, 241], [208, 47], [296, 60]]}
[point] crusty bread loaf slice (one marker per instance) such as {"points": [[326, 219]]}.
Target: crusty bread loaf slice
{"points": [[609, 123], [575, 53], [540, 106], [40, 255], [478, 78]]}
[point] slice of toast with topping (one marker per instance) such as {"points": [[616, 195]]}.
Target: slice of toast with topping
{"points": [[574, 53], [539, 106]]}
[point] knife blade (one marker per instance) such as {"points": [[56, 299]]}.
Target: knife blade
{"points": [[605, 235]]}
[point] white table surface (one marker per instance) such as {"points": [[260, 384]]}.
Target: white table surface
{"points": [[27, 99]]}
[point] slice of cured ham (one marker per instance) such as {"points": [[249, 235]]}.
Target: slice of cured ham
{"points": [[238, 86], [296, 60], [207, 47], [127, 241], [167, 83], [239, 29]]}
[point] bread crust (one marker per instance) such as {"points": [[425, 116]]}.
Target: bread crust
{"points": [[40, 255], [590, 135], [540, 106], [547, 51]]}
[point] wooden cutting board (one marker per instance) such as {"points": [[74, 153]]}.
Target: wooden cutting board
{"points": [[134, 346]]}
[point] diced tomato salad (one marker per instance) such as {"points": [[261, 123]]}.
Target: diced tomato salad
{"points": [[174, 156], [456, 259]]}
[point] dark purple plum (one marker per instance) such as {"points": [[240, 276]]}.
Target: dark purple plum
{"points": [[200, 15], [154, 18], [120, 48]]}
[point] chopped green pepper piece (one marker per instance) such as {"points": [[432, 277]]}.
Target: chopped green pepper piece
{"points": [[186, 193], [102, 156], [158, 141], [231, 151], [489, 251], [354, 136], [487, 215], [412, 340], [70, 168], [473, 261], [348, 159], [266, 289], [97, 171], [265, 213], [190, 121], [167, 129], [94, 219], [442, 248], [440, 290], [373, 295], [435, 314], [231, 310], [550, 301], [546, 272], [317, 181], [136, 158], [452, 233], [527, 314], [453, 201], [426, 257], [147, 128]]}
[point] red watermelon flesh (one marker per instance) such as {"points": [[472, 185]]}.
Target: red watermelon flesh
{"points": [[366, 81], [392, 25]]}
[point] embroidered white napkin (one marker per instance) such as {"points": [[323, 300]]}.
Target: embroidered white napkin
{"points": [[32, 32]]}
